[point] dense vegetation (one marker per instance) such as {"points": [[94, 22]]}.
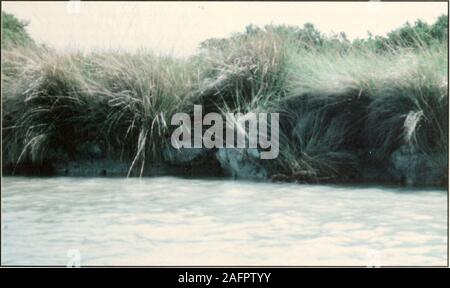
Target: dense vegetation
{"points": [[14, 32], [343, 105]]}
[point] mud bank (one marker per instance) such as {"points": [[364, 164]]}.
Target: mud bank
{"points": [[404, 166]]}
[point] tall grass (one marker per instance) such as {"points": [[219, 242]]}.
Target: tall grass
{"points": [[359, 106], [247, 73], [339, 109], [122, 101]]}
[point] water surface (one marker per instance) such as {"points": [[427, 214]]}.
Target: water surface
{"points": [[175, 221]]}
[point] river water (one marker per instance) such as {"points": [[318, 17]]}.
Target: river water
{"points": [[176, 221]]}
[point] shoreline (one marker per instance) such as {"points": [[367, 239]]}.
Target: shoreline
{"points": [[373, 110], [204, 169]]}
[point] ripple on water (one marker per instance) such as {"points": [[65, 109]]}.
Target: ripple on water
{"points": [[174, 221]]}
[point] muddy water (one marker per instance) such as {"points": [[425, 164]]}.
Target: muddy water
{"points": [[175, 221]]}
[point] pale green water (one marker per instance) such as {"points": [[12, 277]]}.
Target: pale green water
{"points": [[174, 221]]}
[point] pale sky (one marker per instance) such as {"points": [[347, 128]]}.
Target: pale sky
{"points": [[178, 28]]}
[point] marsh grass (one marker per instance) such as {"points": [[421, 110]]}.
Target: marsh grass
{"points": [[247, 73], [338, 108], [60, 101], [360, 106]]}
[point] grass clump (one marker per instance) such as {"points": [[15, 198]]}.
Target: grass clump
{"points": [[119, 100], [245, 72], [360, 106]]}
